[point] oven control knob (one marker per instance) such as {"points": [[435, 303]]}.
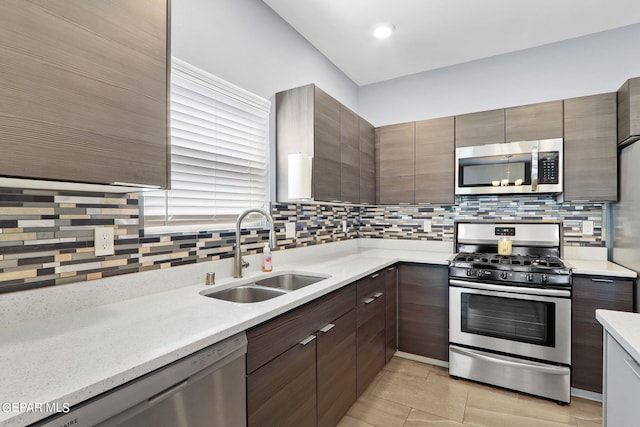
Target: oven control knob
{"points": [[469, 272], [544, 278], [530, 277], [504, 275], [479, 273]]}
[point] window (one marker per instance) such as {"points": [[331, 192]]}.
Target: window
{"points": [[219, 154]]}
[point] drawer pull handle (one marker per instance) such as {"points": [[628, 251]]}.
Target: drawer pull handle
{"points": [[307, 340], [375, 276], [327, 328], [391, 268], [602, 280], [378, 295], [369, 300]]}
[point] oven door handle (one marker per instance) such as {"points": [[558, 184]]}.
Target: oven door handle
{"points": [[511, 289], [532, 366]]}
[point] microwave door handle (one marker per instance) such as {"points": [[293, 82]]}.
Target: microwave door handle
{"points": [[534, 169]]}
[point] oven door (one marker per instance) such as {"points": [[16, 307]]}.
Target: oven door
{"points": [[527, 322]]}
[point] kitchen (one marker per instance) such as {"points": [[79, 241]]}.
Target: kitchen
{"points": [[263, 37]]}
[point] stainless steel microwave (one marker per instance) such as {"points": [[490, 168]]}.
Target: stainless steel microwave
{"points": [[510, 168]]}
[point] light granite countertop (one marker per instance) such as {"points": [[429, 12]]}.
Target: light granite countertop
{"points": [[624, 327], [70, 343]]}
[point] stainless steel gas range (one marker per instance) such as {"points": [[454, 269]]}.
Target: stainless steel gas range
{"points": [[510, 312]]}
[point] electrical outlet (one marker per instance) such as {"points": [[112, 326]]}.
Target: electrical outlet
{"points": [[587, 228], [289, 230], [103, 240], [426, 226], [344, 226]]}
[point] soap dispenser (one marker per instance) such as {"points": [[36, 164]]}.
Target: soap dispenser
{"points": [[266, 258]]}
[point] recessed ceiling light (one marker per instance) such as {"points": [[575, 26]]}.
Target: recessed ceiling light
{"points": [[383, 31]]}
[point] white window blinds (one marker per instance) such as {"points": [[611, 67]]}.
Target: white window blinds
{"points": [[219, 154]]}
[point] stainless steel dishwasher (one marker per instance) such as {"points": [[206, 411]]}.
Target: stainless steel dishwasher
{"points": [[206, 388]]}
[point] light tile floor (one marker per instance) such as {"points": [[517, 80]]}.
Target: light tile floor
{"points": [[411, 394]]}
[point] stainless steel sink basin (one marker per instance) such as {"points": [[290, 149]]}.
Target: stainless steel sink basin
{"points": [[247, 294], [289, 282]]}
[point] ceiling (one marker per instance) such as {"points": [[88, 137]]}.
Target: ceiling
{"points": [[432, 34]]}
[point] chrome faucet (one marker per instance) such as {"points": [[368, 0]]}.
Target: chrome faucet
{"points": [[238, 262]]}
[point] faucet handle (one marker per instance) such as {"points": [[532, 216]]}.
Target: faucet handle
{"points": [[245, 264]]}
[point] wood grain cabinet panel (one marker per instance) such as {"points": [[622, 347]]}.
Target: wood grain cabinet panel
{"points": [[283, 392], [484, 127], [423, 310], [84, 91], [391, 312], [395, 170], [367, 163], [434, 161], [629, 109], [370, 333], [590, 148], [591, 293], [535, 121], [336, 369], [327, 166], [349, 156]]}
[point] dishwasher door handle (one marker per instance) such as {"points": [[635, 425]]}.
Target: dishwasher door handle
{"points": [[167, 392]]}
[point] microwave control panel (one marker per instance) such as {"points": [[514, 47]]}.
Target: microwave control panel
{"points": [[548, 166]]}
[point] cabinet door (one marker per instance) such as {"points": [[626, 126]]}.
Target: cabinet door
{"points": [[349, 156], [434, 161], [336, 369], [590, 148], [84, 91], [589, 294], [535, 121], [485, 127], [396, 163], [629, 109], [367, 163], [327, 154], [370, 334], [283, 392], [423, 310], [391, 311]]}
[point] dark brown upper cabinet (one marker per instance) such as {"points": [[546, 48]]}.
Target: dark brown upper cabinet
{"points": [[395, 167], [629, 111], [367, 162], [84, 91], [310, 121], [435, 158], [485, 127], [590, 148], [534, 121]]}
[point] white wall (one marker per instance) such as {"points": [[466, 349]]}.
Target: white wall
{"points": [[249, 45], [587, 65]]}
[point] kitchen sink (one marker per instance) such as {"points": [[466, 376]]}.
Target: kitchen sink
{"points": [[247, 294], [265, 289], [289, 282]]}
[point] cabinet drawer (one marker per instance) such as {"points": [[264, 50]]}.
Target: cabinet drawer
{"points": [[268, 340], [370, 285], [283, 392]]}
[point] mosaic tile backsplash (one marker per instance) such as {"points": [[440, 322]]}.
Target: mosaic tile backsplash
{"points": [[46, 238]]}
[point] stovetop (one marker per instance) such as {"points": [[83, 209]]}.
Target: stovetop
{"points": [[529, 270]]}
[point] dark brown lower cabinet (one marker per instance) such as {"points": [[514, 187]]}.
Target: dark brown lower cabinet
{"points": [[370, 333], [336, 369], [591, 293], [391, 310], [423, 310], [283, 392], [301, 365]]}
